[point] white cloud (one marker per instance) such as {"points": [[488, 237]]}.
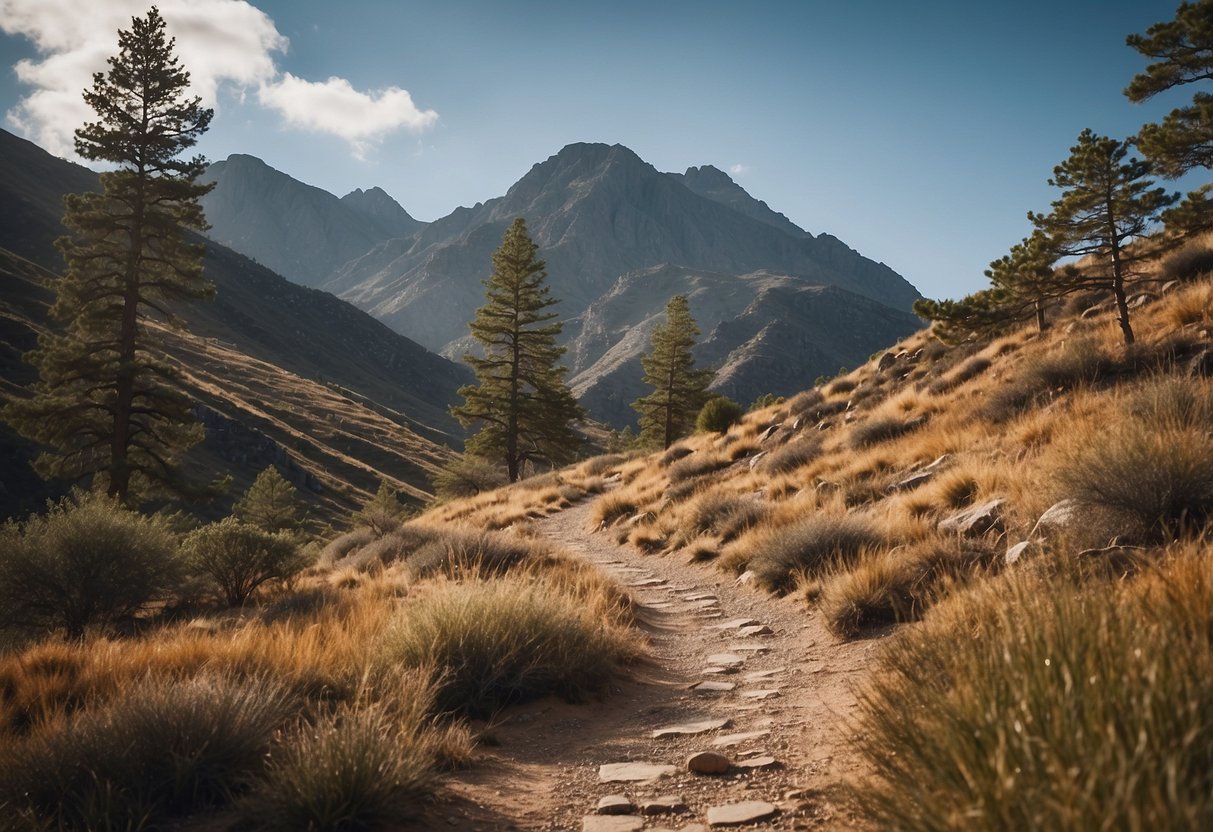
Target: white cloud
{"points": [[738, 169], [335, 107], [223, 43]]}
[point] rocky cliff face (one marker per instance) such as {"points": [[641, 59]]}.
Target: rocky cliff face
{"points": [[301, 232]]}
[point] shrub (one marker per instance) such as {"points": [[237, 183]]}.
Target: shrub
{"points": [[240, 558], [791, 456], [356, 769], [86, 561], [968, 371], [723, 515], [614, 507], [718, 415], [674, 453], [1148, 474], [383, 512], [840, 386], [504, 641], [881, 429], [811, 546], [696, 466], [161, 749], [599, 465], [1036, 705], [467, 477], [802, 403], [1190, 262], [396, 545]]}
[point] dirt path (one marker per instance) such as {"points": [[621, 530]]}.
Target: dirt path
{"points": [[789, 693]]}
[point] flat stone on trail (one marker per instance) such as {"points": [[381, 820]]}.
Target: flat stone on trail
{"points": [[716, 670], [633, 772], [755, 630], [701, 596], [737, 739], [735, 623], [708, 762], [686, 729], [759, 675], [726, 659], [713, 687], [737, 814], [749, 648], [759, 694], [615, 804], [607, 823], [665, 804], [647, 582], [757, 762]]}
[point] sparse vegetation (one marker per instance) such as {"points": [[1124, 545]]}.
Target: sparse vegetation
{"points": [[812, 546], [240, 558]]}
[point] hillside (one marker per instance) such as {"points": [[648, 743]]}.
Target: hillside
{"points": [[288, 375], [604, 221]]}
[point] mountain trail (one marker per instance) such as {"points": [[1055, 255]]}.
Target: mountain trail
{"points": [[732, 671]]}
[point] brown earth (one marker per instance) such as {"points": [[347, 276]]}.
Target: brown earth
{"points": [[540, 767]]}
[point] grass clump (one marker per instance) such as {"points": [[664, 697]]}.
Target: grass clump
{"points": [[696, 466], [162, 749], [87, 561], [1034, 704], [882, 429], [463, 551], [1079, 362], [505, 641], [721, 515], [779, 555], [791, 456], [1150, 478]]}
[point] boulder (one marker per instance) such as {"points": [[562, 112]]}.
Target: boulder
{"points": [[708, 762], [975, 520]]}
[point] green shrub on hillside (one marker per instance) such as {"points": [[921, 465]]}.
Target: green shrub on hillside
{"points": [[718, 415], [466, 477], [241, 558], [87, 561]]}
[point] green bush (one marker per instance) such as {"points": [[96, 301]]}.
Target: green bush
{"points": [[718, 415], [240, 558], [1038, 705], [809, 547], [161, 749], [504, 641], [87, 561], [467, 477]]}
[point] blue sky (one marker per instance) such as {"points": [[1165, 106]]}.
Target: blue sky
{"points": [[918, 133]]}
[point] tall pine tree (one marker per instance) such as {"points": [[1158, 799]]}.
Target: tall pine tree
{"points": [[105, 404], [520, 398], [1107, 202], [679, 390]]}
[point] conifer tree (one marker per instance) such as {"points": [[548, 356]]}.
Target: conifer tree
{"points": [[520, 398], [679, 390], [105, 404], [270, 503], [1106, 204], [383, 513], [1025, 279]]}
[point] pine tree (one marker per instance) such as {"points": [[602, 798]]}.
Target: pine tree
{"points": [[1025, 279], [679, 390], [104, 403], [270, 503], [1106, 204], [382, 513], [520, 398]]}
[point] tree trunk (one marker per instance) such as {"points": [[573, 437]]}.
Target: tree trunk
{"points": [[124, 388], [1041, 325]]}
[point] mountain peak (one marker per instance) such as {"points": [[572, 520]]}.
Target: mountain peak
{"points": [[377, 206]]}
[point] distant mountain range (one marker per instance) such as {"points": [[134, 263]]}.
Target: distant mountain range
{"points": [[282, 373], [777, 305]]}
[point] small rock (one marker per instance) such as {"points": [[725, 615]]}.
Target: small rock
{"points": [[975, 521], [688, 729], [769, 432], [663, 805], [647, 582], [708, 762], [601, 823], [615, 804], [733, 624], [745, 578], [713, 687], [755, 458], [886, 361], [726, 659], [716, 670], [759, 675], [1057, 518], [756, 630], [758, 762], [1141, 299], [633, 772], [737, 739], [1020, 550], [737, 814], [760, 694]]}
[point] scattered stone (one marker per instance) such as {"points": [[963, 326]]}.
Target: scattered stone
{"points": [[688, 729], [615, 804], [716, 670], [713, 687], [726, 659], [1141, 299], [708, 762], [1020, 551], [647, 582], [701, 596], [769, 432], [1057, 518], [755, 459], [750, 648], [737, 739], [668, 804], [633, 772], [759, 675], [975, 521], [1169, 287], [706, 603], [736, 623], [758, 762], [755, 630], [759, 694], [745, 578], [738, 814], [886, 361], [601, 823]]}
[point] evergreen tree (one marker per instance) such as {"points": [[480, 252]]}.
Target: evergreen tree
{"points": [[382, 513], [979, 315], [1025, 279], [679, 390], [104, 403], [270, 503], [520, 398], [1106, 204]]}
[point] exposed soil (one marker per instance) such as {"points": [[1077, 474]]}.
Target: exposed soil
{"points": [[543, 772]]}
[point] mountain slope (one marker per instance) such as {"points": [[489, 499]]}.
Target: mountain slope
{"points": [[300, 232]]}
